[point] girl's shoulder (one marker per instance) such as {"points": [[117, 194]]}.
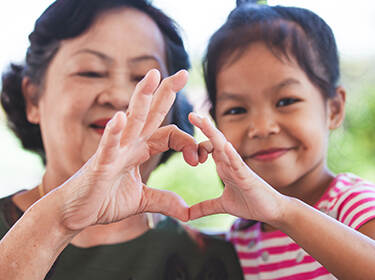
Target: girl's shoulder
{"points": [[345, 184], [349, 199]]}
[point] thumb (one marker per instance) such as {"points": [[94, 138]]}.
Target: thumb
{"points": [[206, 208], [165, 202]]}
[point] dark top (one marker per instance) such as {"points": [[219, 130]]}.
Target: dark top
{"points": [[166, 252]]}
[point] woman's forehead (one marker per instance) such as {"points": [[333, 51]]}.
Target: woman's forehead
{"points": [[124, 34]]}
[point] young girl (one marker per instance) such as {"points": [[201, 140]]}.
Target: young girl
{"points": [[272, 77]]}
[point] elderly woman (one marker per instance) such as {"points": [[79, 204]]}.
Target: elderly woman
{"points": [[88, 63]]}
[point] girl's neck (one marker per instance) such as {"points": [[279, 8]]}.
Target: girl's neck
{"points": [[309, 188]]}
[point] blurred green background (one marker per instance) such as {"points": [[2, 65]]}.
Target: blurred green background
{"points": [[352, 147]]}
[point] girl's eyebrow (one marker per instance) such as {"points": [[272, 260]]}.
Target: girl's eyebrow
{"points": [[284, 83], [279, 86], [275, 88], [232, 96]]}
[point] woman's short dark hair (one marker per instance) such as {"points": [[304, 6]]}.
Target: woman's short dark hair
{"points": [[66, 19], [288, 32]]}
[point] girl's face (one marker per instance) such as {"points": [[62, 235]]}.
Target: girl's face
{"points": [[274, 116], [90, 78]]}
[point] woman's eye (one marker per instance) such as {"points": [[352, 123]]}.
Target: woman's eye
{"points": [[235, 111], [286, 102], [91, 74], [137, 78]]}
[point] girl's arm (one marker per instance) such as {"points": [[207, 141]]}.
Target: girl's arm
{"points": [[108, 188], [344, 252]]}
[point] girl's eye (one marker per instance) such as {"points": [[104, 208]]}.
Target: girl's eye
{"points": [[235, 111], [91, 74], [286, 102]]}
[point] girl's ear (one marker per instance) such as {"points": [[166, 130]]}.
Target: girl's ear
{"points": [[336, 108], [30, 92]]}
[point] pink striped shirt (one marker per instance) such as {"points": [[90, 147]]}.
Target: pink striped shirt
{"points": [[273, 255]]}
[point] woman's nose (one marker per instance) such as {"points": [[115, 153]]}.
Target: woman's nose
{"points": [[117, 94], [263, 126]]}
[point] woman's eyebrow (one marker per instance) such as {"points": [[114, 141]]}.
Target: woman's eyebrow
{"points": [[101, 55], [144, 58]]}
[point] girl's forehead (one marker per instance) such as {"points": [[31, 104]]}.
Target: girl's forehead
{"points": [[259, 66]]}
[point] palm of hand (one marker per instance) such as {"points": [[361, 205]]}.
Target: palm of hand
{"points": [[245, 194], [109, 186]]}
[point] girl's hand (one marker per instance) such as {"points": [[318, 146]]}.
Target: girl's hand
{"points": [[245, 194], [109, 188]]}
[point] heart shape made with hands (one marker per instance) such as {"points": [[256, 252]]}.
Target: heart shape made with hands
{"points": [[109, 187], [245, 194]]}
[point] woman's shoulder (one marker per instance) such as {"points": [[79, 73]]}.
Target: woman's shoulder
{"points": [[9, 214]]}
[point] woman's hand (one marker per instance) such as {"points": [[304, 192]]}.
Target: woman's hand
{"points": [[245, 194], [109, 188]]}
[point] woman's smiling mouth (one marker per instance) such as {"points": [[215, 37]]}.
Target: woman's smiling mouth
{"points": [[99, 125]]}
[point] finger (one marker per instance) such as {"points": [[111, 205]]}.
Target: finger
{"points": [[241, 170], [204, 149], [202, 155], [165, 202], [140, 104], [206, 208], [236, 161], [110, 141], [213, 134], [163, 100], [171, 137]]}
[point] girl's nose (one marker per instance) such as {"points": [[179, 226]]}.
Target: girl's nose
{"points": [[263, 126]]}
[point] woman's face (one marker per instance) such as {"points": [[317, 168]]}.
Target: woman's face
{"points": [[90, 78]]}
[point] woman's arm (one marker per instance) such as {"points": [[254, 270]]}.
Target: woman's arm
{"points": [[32, 245], [346, 253]]}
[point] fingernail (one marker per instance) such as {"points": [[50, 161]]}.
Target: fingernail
{"points": [[198, 117], [156, 71]]}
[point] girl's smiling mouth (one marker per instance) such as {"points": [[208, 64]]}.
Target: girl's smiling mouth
{"points": [[269, 154]]}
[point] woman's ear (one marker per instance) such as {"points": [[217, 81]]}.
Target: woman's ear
{"points": [[336, 108], [30, 92]]}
